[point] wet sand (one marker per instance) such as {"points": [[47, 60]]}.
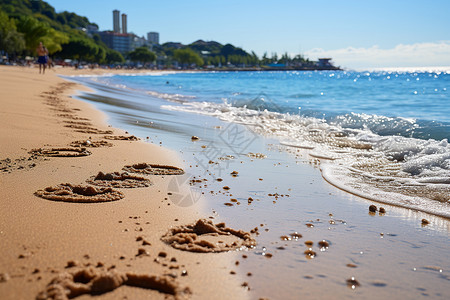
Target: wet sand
{"points": [[61, 235]]}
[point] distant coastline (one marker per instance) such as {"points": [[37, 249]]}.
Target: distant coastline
{"points": [[307, 68]]}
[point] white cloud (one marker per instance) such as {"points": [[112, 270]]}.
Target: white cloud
{"points": [[412, 55]]}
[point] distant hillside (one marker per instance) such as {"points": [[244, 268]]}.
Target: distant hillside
{"points": [[210, 48], [44, 12], [64, 34]]}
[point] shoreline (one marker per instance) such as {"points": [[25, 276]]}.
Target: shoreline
{"points": [[288, 214], [42, 239], [364, 245]]}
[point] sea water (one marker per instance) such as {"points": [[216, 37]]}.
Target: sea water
{"points": [[381, 135]]}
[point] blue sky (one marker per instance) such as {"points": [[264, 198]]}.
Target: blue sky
{"points": [[355, 33]]}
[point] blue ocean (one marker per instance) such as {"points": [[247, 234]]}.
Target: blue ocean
{"points": [[382, 135], [387, 103]]}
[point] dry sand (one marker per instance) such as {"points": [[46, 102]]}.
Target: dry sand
{"points": [[111, 248]]}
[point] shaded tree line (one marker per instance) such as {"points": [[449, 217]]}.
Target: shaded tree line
{"points": [[25, 23]]}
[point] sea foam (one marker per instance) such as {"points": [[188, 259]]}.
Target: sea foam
{"points": [[398, 170]]}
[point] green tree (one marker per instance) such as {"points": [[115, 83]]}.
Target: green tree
{"points": [[274, 57], [35, 32], [187, 56], [80, 48], [11, 41], [100, 56], [286, 58], [254, 60], [265, 60], [142, 54], [54, 40], [113, 56]]}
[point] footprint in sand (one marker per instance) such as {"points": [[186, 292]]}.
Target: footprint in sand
{"points": [[79, 123], [24, 163], [121, 138], [87, 129], [72, 117], [204, 236], [91, 144], [92, 281], [119, 180], [151, 169], [61, 152], [67, 192]]}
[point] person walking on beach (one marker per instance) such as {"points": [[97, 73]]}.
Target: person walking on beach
{"points": [[42, 57]]}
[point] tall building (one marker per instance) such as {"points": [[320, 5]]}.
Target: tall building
{"points": [[116, 21], [124, 23], [153, 38], [117, 41]]}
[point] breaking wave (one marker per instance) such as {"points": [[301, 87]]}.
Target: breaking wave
{"points": [[375, 157]]}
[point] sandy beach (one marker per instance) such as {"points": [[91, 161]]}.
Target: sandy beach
{"points": [[73, 245], [134, 230]]}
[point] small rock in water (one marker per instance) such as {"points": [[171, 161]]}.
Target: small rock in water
{"points": [[194, 138], [296, 235], [310, 254], [323, 244], [382, 210], [285, 238], [425, 222], [352, 283], [372, 208]]}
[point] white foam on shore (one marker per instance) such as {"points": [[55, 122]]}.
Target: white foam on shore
{"points": [[406, 172], [131, 73], [179, 98]]}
